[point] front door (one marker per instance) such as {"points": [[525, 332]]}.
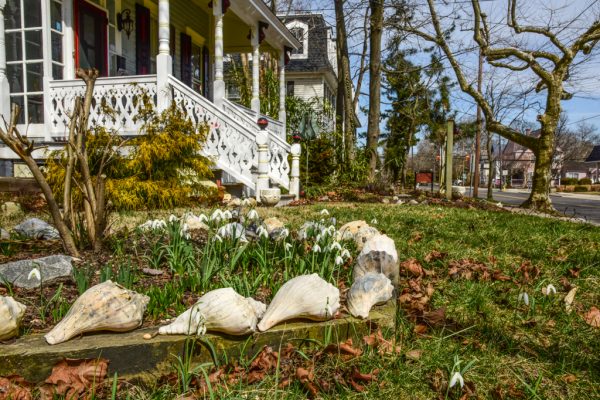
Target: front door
{"points": [[91, 27]]}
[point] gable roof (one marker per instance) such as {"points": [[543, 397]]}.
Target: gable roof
{"points": [[594, 155]]}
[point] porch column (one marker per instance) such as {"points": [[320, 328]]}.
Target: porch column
{"points": [[164, 64], [4, 87], [295, 173], [282, 88], [255, 103], [262, 181], [219, 83]]}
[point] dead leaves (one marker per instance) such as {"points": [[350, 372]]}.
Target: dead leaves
{"points": [[470, 269], [73, 378], [14, 388], [383, 346], [592, 317]]}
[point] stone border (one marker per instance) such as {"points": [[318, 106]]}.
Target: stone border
{"points": [[133, 357]]}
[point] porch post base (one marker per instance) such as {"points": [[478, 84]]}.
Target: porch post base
{"points": [[262, 182], [164, 65], [295, 173], [218, 93]]}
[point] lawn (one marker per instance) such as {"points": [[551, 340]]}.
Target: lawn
{"points": [[471, 300]]}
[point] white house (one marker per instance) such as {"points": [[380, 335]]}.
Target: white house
{"points": [[170, 49]]}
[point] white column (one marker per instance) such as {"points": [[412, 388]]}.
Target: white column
{"points": [[68, 40], [255, 103], [295, 172], [282, 88], [4, 87], [164, 63], [218, 84], [262, 182]]}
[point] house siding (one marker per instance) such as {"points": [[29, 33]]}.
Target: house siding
{"points": [[307, 88]]}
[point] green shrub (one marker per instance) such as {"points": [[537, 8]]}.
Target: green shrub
{"points": [[580, 188], [585, 181], [568, 181]]}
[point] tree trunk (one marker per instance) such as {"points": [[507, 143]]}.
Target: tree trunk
{"points": [[346, 80], [374, 85], [539, 198]]}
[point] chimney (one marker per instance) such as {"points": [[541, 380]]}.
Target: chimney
{"points": [[527, 132]]}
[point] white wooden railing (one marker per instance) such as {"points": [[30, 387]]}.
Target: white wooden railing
{"points": [[229, 144], [237, 110], [279, 149], [121, 96]]}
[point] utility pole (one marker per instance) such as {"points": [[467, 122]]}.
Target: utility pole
{"points": [[478, 132], [449, 146]]}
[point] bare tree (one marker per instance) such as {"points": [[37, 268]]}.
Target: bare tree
{"points": [[550, 63], [376, 30]]}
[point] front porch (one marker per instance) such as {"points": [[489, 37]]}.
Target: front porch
{"points": [[168, 50]]}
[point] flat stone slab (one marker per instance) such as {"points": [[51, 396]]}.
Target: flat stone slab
{"points": [[51, 268], [133, 357]]}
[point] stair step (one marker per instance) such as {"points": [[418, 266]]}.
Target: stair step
{"points": [[285, 200]]}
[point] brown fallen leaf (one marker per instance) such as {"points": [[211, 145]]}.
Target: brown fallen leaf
{"points": [[592, 317], [356, 386], [435, 255], [569, 378], [569, 299], [14, 388], [384, 346], [358, 376], [412, 266], [306, 378], [420, 329], [344, 348], [71, 378], [414, 354], [435, 318]]}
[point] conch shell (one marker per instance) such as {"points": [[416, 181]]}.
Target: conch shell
{"points": [[367, 291], [379, 255], [104, 307], [11, 314], [220, 310], [305, 296]]}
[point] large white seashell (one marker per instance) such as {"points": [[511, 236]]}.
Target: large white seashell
{"points": [[305, 296], [363, 235], [220, 310], [11, 314], [350, 229], [378, 255], [104, 307], [367, 291]]}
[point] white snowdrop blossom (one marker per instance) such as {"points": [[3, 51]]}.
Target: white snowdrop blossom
{"points": [[345, 253], [203, 218], [288, 246], [324, 212], [285, 232], [318, 238], [217, 215], [218, 238], [227, 215], [172, 218], [550, 289], [456, 378], [524, 297], [34, 273], [335, 246], [331, 230], [262, 232], [499, 205], [316, 248], [252, 214], [374, 221], [339, 260]]}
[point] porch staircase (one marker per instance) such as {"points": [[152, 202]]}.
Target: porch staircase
{"points": [[232, 138]]}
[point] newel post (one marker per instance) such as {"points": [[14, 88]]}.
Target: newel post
{"points": [[262, 141], [295, 173], [164, 62]]}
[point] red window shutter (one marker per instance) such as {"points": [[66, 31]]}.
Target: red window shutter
{"points": [[142, 39], [186, 59]]}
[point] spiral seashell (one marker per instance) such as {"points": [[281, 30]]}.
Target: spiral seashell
{"points": [[378, 255], [367, 291], [11, 314]]}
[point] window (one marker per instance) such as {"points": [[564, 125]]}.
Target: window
{"points": [[289, 88], [300, 31], [56, 38], [25, 56]]}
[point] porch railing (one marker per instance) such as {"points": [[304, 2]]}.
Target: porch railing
{"points": [[275, 127], [116, 103]]}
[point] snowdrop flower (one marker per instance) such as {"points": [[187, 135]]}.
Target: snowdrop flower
{"points": [[318, 238], [285, 232], [548, 290], [374, 221], [456, 378], [324, 212], [262, 232], [252, 214], [203, 218], [217, 238], [288, 246], [157, 224], [172, 218], [335, 246], [525, 297], [499, 205], [34, 273], [316, 248], [331, 230], [227, 215], [217, 215], [339, 260], [345, 253]]}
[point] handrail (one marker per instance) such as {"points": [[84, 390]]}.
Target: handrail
{"points": [[131, 79]]}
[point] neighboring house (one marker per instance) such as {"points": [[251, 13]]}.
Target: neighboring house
{"points": [[594, 159], [311, 73], [575, 170], [171, 50]]}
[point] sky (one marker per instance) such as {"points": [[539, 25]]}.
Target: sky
{"points": [[570, 16]]}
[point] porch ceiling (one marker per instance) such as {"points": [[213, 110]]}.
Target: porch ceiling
{"points": [[245, 13]]}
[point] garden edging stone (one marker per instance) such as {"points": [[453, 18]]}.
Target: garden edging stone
{"points": [[51, 269]]}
